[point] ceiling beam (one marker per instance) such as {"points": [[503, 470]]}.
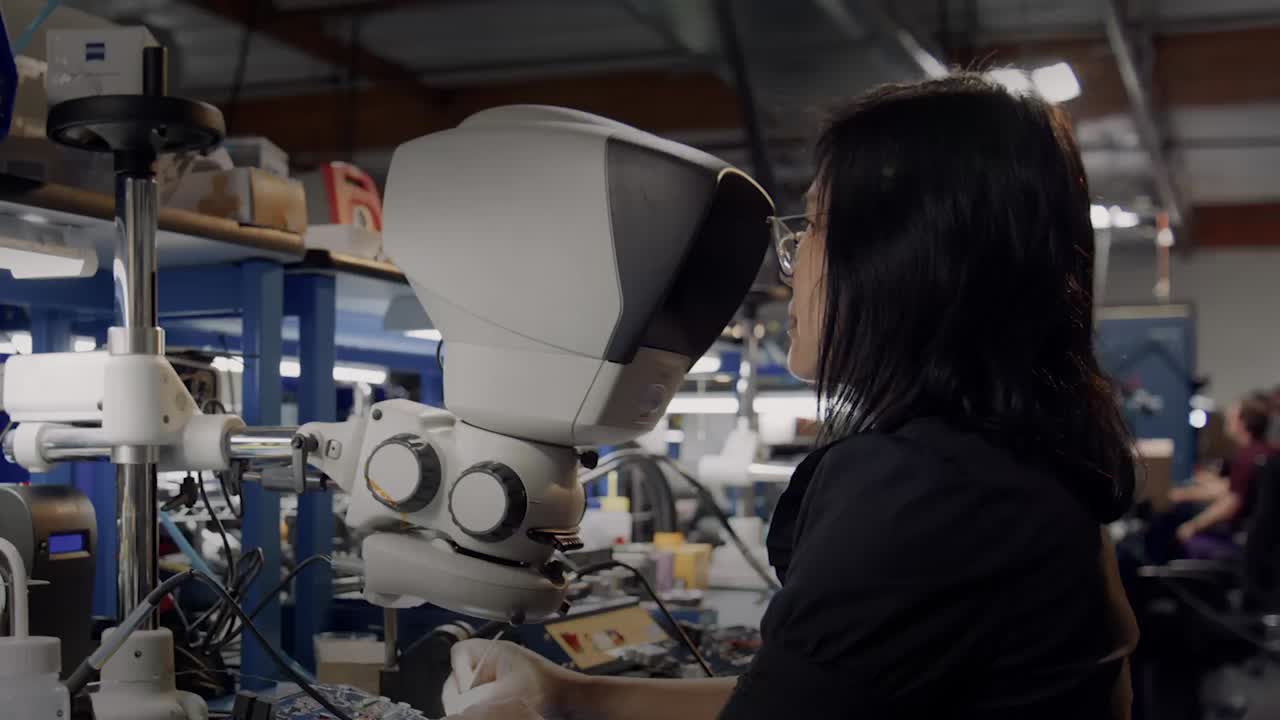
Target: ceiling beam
{"points": [[1201, 68], [1149, 133], [849, 17], [307, 32], [654, 100]]}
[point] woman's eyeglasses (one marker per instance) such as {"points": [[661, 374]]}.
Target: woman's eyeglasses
{"points": [[788, 231]]}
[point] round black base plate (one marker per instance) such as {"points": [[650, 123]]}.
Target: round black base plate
{"points": [[142, 125]]}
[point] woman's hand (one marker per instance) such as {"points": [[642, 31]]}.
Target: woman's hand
{"points": [[485, 673], [1187, 530], [498, 710]]}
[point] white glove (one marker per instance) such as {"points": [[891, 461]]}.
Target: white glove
{"points": [[509, 673], [498, 710]]}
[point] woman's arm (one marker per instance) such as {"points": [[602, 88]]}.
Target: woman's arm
{"points": [[486, 674], [608, 698], [1224, 508], [1199, 492]]}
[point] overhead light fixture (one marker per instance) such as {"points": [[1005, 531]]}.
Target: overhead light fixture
{"points": [[30, 247], [428, 334], [290, 368], [1056, 83], [802, 404], [1014, 80], [1100, 216], [359, 374], [706, 365], [1122, 218], [718, 404]]}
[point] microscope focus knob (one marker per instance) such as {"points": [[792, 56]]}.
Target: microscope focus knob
{"points": [[488, 501], [403, 473]]}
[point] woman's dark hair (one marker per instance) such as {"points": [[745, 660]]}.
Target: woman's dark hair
{"points": [[959, 279]]}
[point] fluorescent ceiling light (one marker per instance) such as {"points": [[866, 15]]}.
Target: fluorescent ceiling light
{"points": [[770, 470], [719, 404], [223, 363], [1122, 218], [1100, 216], [792, 404], [1014, 80], [706, 365], [355, 374], [290, 368], [428, 334], [1056, 83]]}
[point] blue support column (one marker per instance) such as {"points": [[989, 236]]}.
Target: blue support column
{"points": [[432, 385], [262, 286], [51, 332], [313, 297]]}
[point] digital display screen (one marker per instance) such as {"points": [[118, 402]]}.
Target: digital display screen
{"points": [[63, 543]]}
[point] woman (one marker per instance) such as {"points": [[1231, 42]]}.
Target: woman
{"points": [[941, 556]]}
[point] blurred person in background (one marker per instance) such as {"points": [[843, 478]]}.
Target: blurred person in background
{"points": [[1227, 500]]}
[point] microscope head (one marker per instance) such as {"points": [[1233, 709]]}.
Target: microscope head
{"points": [[576, 267]]}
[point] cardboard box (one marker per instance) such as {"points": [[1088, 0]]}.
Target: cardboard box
{"points": [[345, 239], [102, 61], [347, 660], [257, 152], [30, 104], [251, 196]]}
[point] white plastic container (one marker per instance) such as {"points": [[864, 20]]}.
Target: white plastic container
{"points": [[604, 528], [29, 687]]}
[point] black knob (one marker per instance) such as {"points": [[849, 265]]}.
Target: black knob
{"points": [[589, 459], [488, 501], [403, 473]]}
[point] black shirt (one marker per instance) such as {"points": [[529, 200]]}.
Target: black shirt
{"points": [[929, 574]]}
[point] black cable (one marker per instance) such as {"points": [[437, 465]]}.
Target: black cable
{"points": [[222, 620], [80, 677], [710, 499], [274, 654], [684, 638], [222, 530], [273, 592]]}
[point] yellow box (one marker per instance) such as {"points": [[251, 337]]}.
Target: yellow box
{"points": [[693, 565], [668, 540]]}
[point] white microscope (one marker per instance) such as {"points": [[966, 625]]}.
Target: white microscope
{"points": [[576, 268]]}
